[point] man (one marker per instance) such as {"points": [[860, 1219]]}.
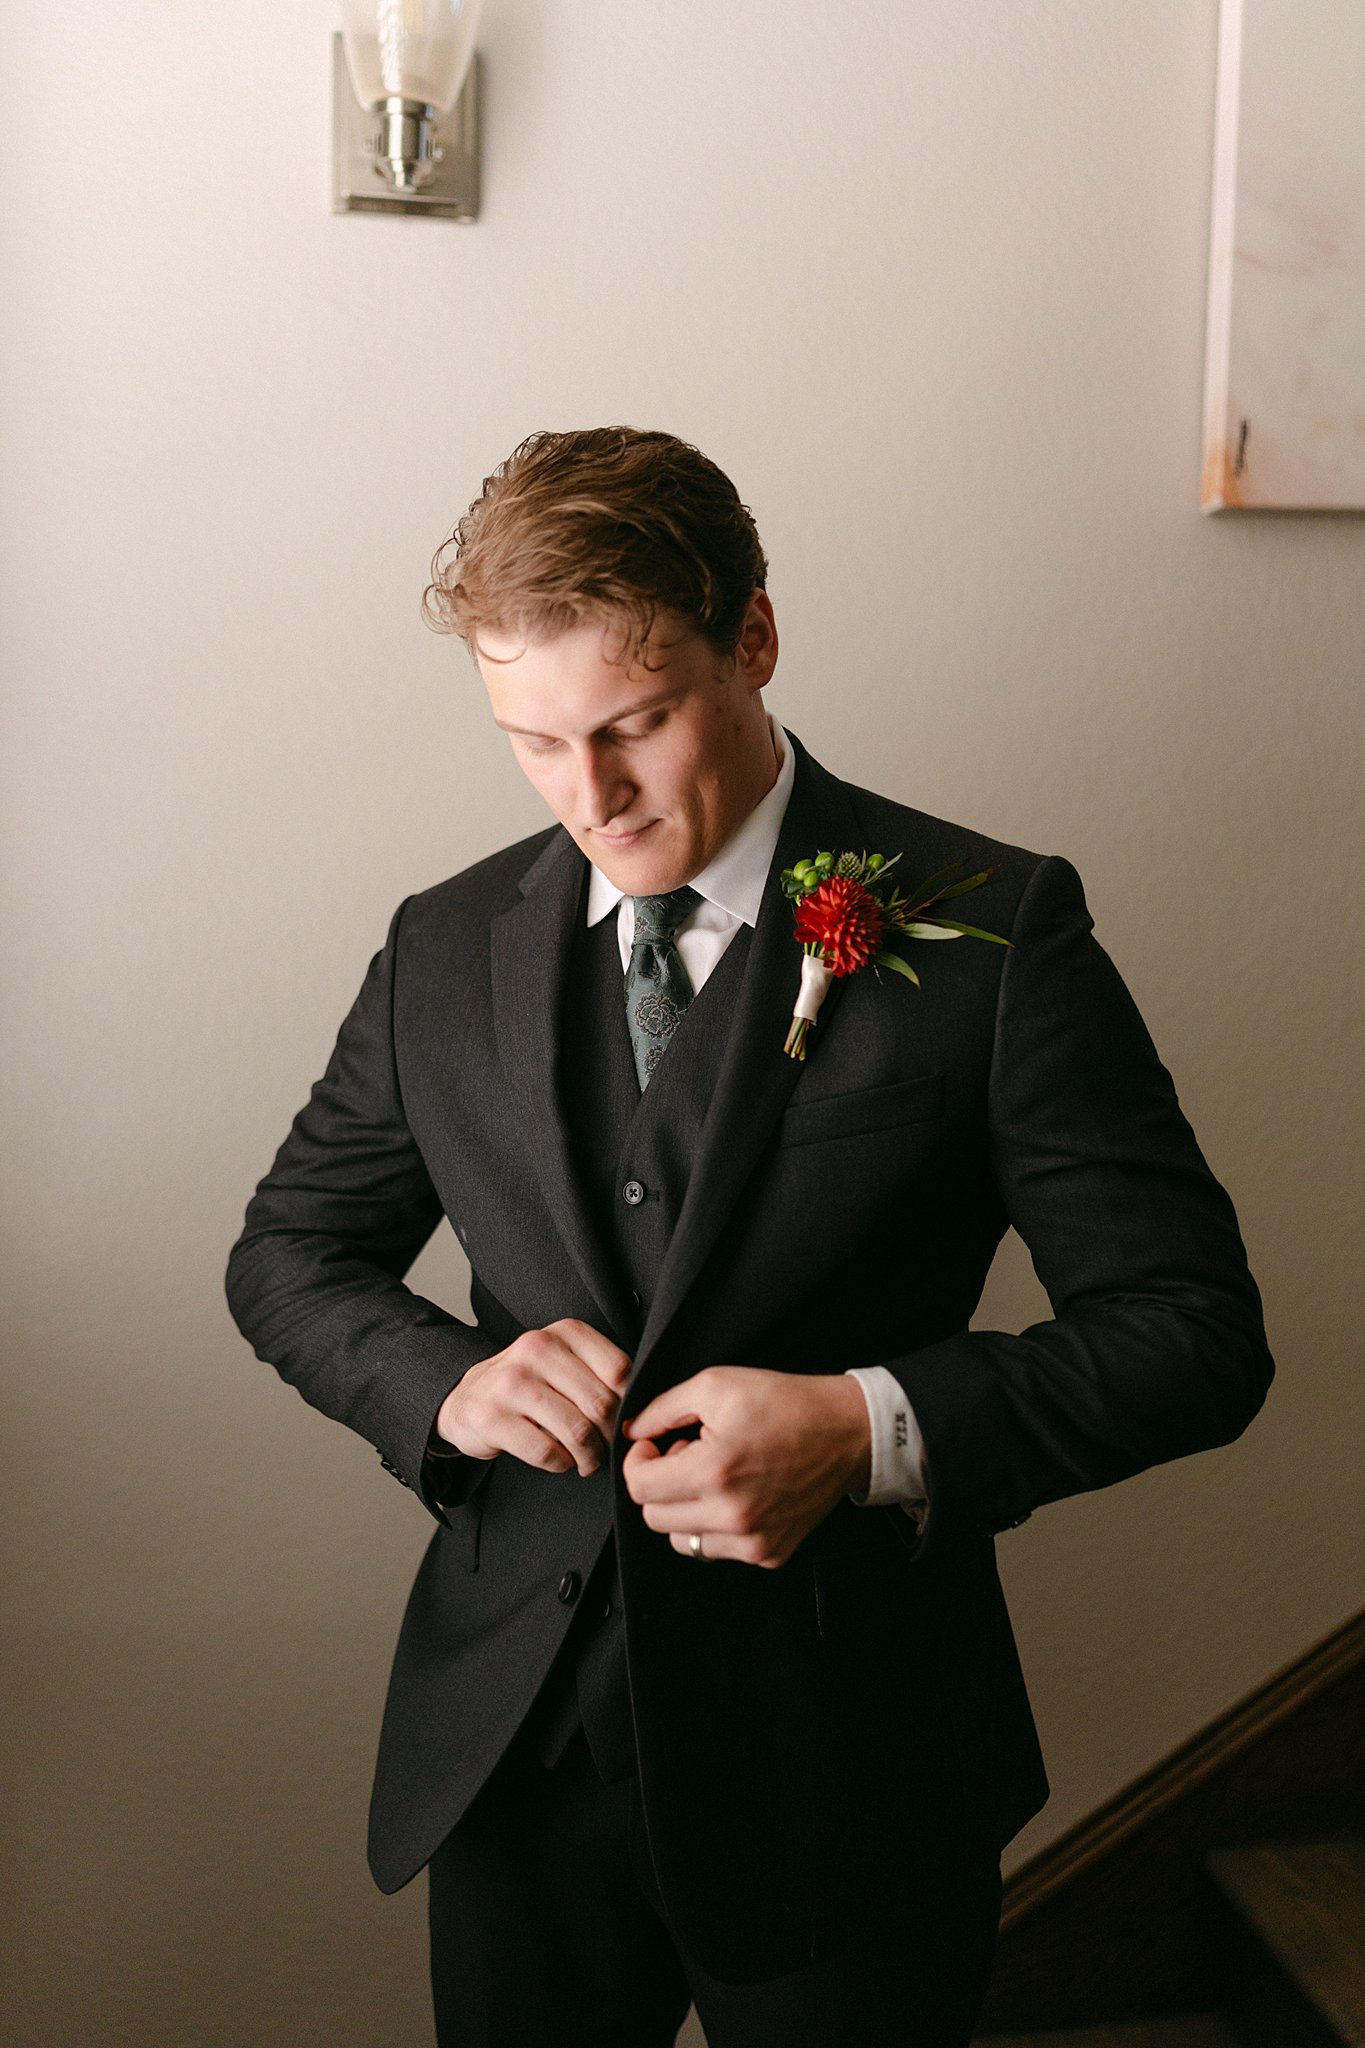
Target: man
{"points": [[706, 1689]]}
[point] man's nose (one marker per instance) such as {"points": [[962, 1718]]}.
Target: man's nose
{"points": [[604, 790]]}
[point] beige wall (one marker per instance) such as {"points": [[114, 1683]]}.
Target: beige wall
{"points": [[933, 293]]}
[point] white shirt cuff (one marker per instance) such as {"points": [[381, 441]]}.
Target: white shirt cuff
{"points": [[897, 1476]]}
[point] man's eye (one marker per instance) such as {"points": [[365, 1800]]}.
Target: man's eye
{"points": [[539, 746]]}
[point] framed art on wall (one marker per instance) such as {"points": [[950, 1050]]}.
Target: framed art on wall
{"points": [[1284, 413]]}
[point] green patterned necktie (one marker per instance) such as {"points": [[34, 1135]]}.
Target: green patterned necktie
{"points": [[657, 988]]}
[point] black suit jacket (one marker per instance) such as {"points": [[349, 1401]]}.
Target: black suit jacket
{"points": [[827, 1743]]}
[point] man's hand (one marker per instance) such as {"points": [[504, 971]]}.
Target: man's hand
{"points": [[777, 1452], [550, 1398]]}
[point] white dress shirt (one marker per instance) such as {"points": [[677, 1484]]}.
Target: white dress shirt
{"points": [[731, 888]]}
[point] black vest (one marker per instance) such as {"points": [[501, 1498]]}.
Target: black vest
{"points": [[633, 1153]]}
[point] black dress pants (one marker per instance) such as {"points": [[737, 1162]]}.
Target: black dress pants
{"points": [[548, 1931]]}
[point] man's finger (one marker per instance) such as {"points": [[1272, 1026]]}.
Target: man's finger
{"points": [[672, 1409], [685, 1517], [714, 1546], [591, 1395], [683, 1473], [535, 1443], [562, 1418], [610, 1363]]}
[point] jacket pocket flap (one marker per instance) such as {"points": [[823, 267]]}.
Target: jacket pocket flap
{"points": [[917, 1100]]}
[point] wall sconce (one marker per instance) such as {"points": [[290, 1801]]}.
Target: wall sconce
{"points": [[397, 67]]}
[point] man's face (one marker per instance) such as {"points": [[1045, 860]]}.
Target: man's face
{"points": [[649, 770]]}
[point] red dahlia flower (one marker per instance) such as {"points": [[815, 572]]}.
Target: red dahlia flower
{"points": [[844, 920]]}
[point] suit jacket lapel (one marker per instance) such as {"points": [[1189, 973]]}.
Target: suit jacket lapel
{"points": [[531, 945], [756, 1076]]}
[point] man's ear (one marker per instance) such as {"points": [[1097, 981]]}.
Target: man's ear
{"points": [[756, 649]]}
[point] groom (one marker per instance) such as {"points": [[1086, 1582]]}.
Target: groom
{"points": [[706, 1690]]}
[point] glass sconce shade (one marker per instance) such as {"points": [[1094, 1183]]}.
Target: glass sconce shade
{"points": [[408, 60], [414, 50]]}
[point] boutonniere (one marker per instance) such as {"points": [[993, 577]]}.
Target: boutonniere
{"points": [[846, 909]]}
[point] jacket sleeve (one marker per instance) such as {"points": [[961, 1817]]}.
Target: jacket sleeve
{"points": [[315, 1280], [1157, 1344]]}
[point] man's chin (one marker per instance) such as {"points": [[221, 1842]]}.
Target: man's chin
{"points": [[640, 867]]}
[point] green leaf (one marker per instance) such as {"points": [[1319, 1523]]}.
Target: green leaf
{"points": [[961, 888], [925, 928], [901, 966], [973, 931], [921, 894]]}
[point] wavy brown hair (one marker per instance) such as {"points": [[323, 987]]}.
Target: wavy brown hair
{"points": [[616, 523]]}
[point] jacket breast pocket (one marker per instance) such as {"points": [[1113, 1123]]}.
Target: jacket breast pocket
{"points": [[860, 1110]]}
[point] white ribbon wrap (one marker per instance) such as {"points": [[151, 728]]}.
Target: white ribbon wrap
{"points": [[815, 981]]}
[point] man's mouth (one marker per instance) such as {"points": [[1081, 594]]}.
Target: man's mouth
{"points": [[619, 840]]}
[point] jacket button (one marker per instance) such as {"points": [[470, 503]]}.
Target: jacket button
{"points": [[568, 1586], [606, 1610], [633, 1192], [636, 1297]]}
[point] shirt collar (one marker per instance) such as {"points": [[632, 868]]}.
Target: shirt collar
{"points": [[735, 879]]}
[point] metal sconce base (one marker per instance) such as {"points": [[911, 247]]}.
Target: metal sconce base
{"points": [[359, 182]]}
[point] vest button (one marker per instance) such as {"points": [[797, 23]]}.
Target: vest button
{"points": [[634, 1192], [568, 1585]]}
